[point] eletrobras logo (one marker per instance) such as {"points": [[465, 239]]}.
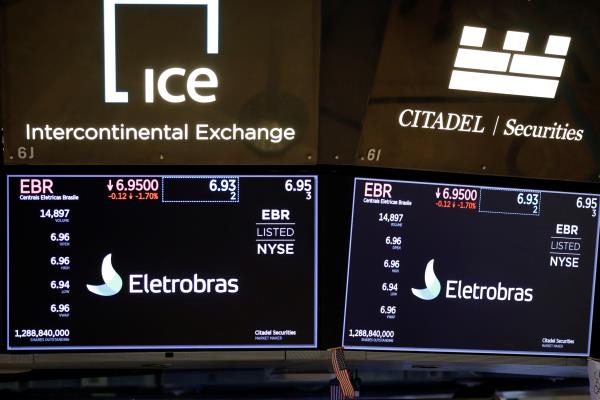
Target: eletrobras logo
{"points": [[432, 284], [112, 280], [456, 289], [143, 284]]}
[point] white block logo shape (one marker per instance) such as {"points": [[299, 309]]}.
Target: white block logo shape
{"points": [[510, 71]]}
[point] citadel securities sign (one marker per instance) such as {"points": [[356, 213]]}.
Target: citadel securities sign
{"points": [[161, 81], [509, 89], [465, 123], [488, 80]]}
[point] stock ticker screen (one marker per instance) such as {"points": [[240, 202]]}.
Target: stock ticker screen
{"points": [[473, 269], [161, 262]]}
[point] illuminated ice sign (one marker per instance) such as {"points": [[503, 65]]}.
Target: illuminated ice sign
{"points": [[144, 81]]}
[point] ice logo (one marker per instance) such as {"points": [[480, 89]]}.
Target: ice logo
{"points": [[112, 281], [432, 284]]}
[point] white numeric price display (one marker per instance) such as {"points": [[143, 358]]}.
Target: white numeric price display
{"points": [[532, 199], [134, 185], [299, 185], [54, 213], [387, 310], [389, 287], [60, 237], [60, 261], [390, 217], [41, 333], [457, 194], [586, 202], [60, 308], [224, 185], [371, 333], [393, 240], [60, 285]]}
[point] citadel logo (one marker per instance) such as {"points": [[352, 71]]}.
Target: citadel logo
{"points": [[194, 79], [508, 72], [112, 281], [455, 289]]}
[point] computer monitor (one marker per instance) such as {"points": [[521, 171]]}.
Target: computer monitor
{"points": [[161, 262], [441, 267]]}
